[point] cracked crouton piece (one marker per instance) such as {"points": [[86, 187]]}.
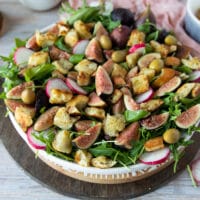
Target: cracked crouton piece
{"points": [[136, 37], [82, 29], [45, 39], [24, 116], [184, 90], [113, 124], [154, 144], [95, 112], [83, 79], [62, 65], [79, 101], [38, 58], [59, 97], [83, 158], [140, 84], [118, 71], [151, 105], [71, 38], [86, 66], [63, 120]]}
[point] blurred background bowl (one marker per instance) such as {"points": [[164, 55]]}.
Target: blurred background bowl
{"points": [[40, 5], [192, 23]]}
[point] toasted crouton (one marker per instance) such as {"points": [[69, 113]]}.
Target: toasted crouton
{"points": [[59, 97], [95, 112], [38, 58], [154, 144], [83, 158], [63, 120], [140, 84], [24, 116], [113, 124], [151, 105]]}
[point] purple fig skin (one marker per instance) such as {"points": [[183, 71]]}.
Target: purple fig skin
{"points": [[129, 134], [86, 140], [120, 36], [155, 121], [188, 118]]}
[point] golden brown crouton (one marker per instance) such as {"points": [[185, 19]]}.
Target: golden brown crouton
{"points": [[154, 144], [140, 84]]}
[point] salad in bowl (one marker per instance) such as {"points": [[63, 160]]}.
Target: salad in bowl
{"points": [[102, 96]]}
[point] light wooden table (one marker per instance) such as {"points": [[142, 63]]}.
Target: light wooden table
{"points": [[15, 184]]}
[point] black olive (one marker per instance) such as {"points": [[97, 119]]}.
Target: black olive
{"points": [[41, 102], [162, 34], [123, 15]]}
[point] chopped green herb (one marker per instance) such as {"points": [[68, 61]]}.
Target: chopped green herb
{"points": [[76, 58], [61, 45]]}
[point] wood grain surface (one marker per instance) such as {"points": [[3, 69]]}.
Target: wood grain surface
{"points": [[15, 183]]}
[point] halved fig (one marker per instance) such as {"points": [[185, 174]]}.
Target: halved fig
{"points": [[99, 30], [57, 54], [155, 121], [182, 51], [128, 135], [119, 107], [95, 100], [108, 66], [15, 93], [94, 51], [103, 82], [188, 118], [130, 104], [88, 138], [13, 104], [145, 60], [165, 76], [32, 44], [83, 125], [45, 120], [169, 86]]}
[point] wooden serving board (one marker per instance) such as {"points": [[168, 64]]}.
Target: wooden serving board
{"points": [[75, 188]]}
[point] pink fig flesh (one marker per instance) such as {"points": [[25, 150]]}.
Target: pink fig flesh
{"points": [[130, 104], [155, 121], [95, 100], [128, 135], [83, 125], [188, 118], [103, 82], [88, 138]]}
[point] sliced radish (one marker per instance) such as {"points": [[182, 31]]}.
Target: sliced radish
{"points": [[155, 157], [55, 83], [21, 56], [80, 47], [34, 142], [195, 166], [195, 76], [139, 48], [144, 96], [74, 87]]}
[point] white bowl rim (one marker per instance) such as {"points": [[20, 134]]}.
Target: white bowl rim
{"points": [[192, 14]]}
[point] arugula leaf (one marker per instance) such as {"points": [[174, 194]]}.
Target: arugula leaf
{"points": [[61, 45], [39, 72], [137, 150], [84, 13], [147, 27], [20, 43], [76, 58], [177, 155], [89, 88], [108, 23], [47, 137], [152, 36], [183, 69], [133, 116]]}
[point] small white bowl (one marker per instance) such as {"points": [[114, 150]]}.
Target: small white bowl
{"points": [[40, 5], [192, 23]]}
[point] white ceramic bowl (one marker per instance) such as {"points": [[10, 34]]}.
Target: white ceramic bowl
{"points": [[40, 5], [192, 23]]}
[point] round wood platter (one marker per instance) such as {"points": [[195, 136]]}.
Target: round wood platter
{"points": [[79, 189]]}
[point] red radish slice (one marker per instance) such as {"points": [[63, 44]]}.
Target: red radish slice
{"points": [[139, 48], [80, 47], [144, 96], [195, 166], [21, 56], [74, 87], [55, 83], [34, 142], [155, 157], [195, 76]]}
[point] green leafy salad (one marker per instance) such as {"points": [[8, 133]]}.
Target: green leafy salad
{"points": [[104, 89]]}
